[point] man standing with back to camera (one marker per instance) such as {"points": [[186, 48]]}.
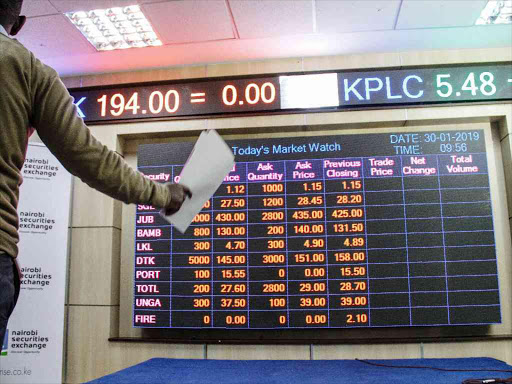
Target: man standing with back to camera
{"points": [[33, 97]]}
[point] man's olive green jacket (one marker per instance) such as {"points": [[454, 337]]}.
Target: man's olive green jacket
{"points": [[33, 97]]}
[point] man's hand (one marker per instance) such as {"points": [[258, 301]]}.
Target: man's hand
{"points": [[178, 194]]}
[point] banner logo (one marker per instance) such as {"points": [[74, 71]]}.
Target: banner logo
{"points": [[35, 222], [35, 278], [28, 341], [39, 168]]}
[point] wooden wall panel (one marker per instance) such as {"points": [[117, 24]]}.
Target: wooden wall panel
{"points": [[94, 266]]}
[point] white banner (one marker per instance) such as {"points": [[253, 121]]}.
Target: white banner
{"points": [[33, 347]]}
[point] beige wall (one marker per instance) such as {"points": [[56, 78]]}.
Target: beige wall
{"points": [[100, 264]]}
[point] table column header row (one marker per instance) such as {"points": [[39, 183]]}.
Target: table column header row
{"points": [[342, 168]]}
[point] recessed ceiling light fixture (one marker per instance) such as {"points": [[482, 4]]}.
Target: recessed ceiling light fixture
{"points": [[496, 12], [115, 28]]}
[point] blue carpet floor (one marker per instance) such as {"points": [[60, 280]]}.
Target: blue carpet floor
{"points": [[181, 371]]}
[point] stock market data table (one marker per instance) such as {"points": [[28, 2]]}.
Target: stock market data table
{"points": [[370, 230]]}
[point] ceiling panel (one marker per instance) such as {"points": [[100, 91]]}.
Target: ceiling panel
{"points": [[268, 29], [334, 16], [53, 36], [33, 8], [190, 21], [238, 50], [439, 13], [266, 18]]}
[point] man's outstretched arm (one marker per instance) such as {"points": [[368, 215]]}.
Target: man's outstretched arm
{"points": [[56, 120]]}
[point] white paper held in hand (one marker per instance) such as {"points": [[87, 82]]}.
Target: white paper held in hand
{"points": [[209, 163]]}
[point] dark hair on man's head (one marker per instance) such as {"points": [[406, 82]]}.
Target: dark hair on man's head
{"points": [[10, 10]]}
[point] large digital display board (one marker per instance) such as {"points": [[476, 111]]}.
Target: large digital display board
{"points": [[288, 93], [359, 230]]}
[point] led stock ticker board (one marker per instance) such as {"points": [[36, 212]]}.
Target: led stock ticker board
{"points": [[363, 230], [330, 91]]}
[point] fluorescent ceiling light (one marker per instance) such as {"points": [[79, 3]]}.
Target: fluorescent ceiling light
{"points": [[115, 28], [496, 12]]}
